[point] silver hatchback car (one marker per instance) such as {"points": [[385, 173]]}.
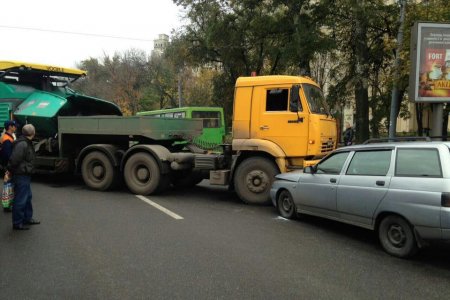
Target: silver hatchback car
{"points": [[401, 190]]}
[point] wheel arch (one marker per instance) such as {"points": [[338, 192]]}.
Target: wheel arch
{"points": [[263, 147], [113, 153], [161, 154], [384, 214]]}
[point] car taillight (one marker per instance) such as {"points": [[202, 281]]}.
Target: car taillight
{"points": [[445, 199]]}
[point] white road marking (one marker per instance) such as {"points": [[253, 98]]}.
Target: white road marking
{"points": [[281, 218], [163, 209]]}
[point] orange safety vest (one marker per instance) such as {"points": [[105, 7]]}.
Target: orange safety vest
{"points": [[6, 136]]}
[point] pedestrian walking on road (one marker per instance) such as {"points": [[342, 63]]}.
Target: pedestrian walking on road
{"points": [[21, 166]]}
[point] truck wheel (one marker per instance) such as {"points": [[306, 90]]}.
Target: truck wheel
{"points": [[397, 237], [142, 174], [286, 205], [97, 171], [253, 179]]}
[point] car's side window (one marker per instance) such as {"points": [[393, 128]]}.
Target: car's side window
{"points": [[418, 163], [333, 164], [370, 163]]}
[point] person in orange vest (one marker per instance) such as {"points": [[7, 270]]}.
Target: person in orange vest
{"points": [[7, 141]]}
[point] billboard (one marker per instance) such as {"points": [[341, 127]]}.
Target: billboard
{"points": [[429, 79]]}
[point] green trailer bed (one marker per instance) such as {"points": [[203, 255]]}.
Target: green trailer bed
{"points": [[157, 129]]}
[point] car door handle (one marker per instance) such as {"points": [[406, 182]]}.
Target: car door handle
{"points": [[333, 180], [380, 182], [265, 127]]}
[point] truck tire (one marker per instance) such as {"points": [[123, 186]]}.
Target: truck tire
{"points": [[253, 179], [143, 175], [98, 172]]}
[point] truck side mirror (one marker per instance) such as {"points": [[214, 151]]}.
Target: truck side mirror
{"points": [[295, 99]]}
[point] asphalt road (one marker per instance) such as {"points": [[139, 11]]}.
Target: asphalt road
{"points": [[113, 245]]}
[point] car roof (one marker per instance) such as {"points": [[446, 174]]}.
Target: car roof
{"points": [[392, 145]]}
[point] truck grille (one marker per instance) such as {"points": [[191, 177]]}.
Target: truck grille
{"points": [[328, 146]]}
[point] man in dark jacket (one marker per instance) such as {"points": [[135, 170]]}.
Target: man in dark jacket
{"points": [[348, 134], [21, 166]]}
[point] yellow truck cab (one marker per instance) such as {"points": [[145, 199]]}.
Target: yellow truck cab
{"points": [[285, 117]]}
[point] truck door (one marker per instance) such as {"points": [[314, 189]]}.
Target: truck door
{"points": [[277, 123]]}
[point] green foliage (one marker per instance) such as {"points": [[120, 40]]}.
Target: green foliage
{"points": [[240, 37], [363, 33], [161, 91], [120, 79]]}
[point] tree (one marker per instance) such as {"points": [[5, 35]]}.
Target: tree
{"points": [[241, 37], [362, 31], [120, 78], [161, 91]]}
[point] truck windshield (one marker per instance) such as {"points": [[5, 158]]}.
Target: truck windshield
{"points": [[316, 100], [37, 80]]}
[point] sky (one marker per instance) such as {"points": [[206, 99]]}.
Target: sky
{"points": [[143, 20]]}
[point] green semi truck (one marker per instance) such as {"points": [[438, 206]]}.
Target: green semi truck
{"points": [[276, 128]]}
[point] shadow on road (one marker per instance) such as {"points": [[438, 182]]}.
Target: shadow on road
{"points": [[59, 180], [202, 191], [436, 254]]}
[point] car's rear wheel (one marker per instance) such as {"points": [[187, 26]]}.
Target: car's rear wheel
{"points": [[397, 237], [286, 205]]}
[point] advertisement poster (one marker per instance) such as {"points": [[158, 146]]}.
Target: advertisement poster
{"points": [[433, 62]]}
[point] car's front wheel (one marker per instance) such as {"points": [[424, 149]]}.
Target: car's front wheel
{"points": [[397, 236], [286, 205]]}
